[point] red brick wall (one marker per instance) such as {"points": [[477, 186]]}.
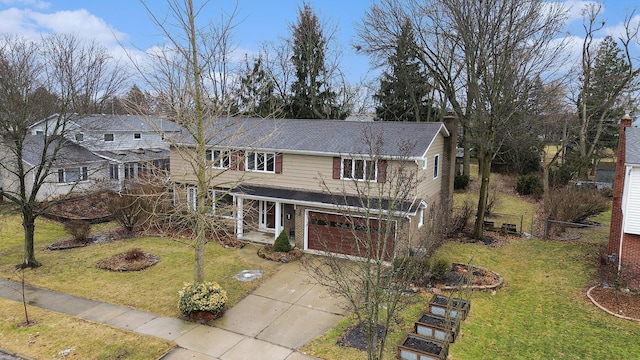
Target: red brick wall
{"points": [[630, 259], [618, 185]]}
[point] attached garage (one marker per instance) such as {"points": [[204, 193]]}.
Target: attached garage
{"points": [[335, 233]]}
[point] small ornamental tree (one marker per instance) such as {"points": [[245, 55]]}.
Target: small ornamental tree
{"points": [[281, 244]]}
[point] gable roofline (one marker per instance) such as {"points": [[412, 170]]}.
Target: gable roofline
{"points": [[391, 139]]}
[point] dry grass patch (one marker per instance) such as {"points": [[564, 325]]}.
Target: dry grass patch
{"points": [[53, 333]]}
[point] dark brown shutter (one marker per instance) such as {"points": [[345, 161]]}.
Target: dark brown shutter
{"points": [[337, 165], [382, 171], [238, 160], [279, 163]]}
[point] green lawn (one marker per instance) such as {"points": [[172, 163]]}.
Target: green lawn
{"points": [[74, 272], [540, 313]]}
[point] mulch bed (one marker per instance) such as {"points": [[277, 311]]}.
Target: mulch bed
{"points": [[356, 337], [479, 276], [102, 237], [267, 252], [624, 303], [124, 262]]}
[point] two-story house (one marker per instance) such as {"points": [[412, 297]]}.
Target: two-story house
{"points": [[99, 151], [303, 176]]}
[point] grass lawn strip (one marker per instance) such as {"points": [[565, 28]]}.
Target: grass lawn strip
{"points": [[53, 333]]}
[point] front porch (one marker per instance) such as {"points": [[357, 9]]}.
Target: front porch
{"points": [[259, 237]]}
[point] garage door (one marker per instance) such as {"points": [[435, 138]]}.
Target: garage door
{"points": [[335, 233]]}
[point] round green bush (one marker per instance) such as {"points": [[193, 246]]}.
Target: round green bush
{"points": [[529, 184], [282, 243], [460, 182], [205, 296]]}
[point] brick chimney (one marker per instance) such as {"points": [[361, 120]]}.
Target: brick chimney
{"points": [[615, 230]]}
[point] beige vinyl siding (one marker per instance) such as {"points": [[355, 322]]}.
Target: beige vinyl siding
{"points": [[303, 172], [430, 187]]}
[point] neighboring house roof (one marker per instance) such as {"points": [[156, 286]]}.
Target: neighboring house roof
{"points": [[632, 146], [69, 153], [331, 137], [103, 122], [143, 123], [135, 155]]}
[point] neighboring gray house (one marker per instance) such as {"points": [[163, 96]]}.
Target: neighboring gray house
{"points": [[105, 150], [74, 168]]}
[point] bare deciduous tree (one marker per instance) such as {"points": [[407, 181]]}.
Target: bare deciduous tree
{"points": [[483, 56], [378, 222], [53, 78]]}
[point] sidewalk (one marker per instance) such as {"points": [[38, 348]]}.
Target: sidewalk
{"points": [[282, 314]]}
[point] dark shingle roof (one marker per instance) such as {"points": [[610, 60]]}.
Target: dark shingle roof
{"points": [[396, 139], [143, 123], [69, 153], [633, 145], [307, 196], [135, 155]]}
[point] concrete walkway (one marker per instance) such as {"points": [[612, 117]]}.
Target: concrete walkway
{"points": [[282, 314]]}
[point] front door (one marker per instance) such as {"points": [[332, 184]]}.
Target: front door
{"points": [[267, 215]]}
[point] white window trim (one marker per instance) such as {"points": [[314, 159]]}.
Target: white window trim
{"points": [[219, 163], [425, 163], [214, 202], [436, 166], [364, 169], [266, 154], [82, 177], [192, 198], [421, 217]]}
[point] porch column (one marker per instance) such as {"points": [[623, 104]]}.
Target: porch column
{"points": [[279, 226], [239, 218], [120, 175]]}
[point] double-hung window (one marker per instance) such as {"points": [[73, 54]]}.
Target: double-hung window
{"points": [[219, 159], [436, 166], [72, 175], [130, 170], [114, 171], [359, 169], [192, 198], [261, 161]]}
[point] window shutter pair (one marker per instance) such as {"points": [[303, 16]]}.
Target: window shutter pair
{"points": [[381, 175]]}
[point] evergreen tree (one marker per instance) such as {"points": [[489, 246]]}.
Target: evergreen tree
{"points": [[257, 92], [405, 89], [311, 93]]}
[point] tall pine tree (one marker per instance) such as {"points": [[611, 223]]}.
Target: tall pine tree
{"points": [[405, 91], [256, 94], [311, 93]]}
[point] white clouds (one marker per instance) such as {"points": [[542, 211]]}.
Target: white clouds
{"points": [[31, 24]]}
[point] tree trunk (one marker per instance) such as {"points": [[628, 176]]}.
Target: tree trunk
{"points": [[485, 169], [29, 225], [466, 159]]}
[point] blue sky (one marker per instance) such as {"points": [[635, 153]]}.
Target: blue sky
{"points": [[258, 21]]}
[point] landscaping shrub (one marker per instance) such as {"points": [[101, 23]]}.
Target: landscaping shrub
{"points": [[529, 184], [575, 205], [134, 254], [461, 217], [206, 296], [439, 267], [79, 229], [460, 182], [282, 243]]}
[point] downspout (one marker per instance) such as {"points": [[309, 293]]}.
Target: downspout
{"points": [[623, 206]]}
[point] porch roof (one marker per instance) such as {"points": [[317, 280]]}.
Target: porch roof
{"points": [[322, 199]]}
